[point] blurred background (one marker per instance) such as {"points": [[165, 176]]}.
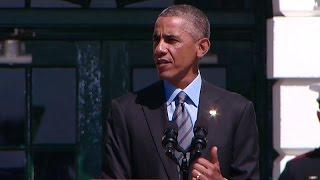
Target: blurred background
{"points": [[62, 61]]}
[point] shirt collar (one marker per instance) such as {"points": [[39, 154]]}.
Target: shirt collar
{"points": [[192, 90]]}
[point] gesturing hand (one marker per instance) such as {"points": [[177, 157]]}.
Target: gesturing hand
{"points": [[204, 169]]}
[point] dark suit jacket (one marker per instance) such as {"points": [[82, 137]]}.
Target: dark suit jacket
{"points": [[133, 134], [303, 166]]}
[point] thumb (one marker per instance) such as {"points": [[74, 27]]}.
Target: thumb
{"points": [[214, 154]]}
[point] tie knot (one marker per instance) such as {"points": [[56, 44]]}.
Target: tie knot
{"points": [[181, 97]]}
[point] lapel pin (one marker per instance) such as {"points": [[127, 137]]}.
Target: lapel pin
{"points": [[213, 113]]}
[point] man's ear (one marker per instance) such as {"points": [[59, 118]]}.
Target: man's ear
{"points": [[203, 47]]}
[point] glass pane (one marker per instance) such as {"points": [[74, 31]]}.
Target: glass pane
{"points": [[12, 3], [103, 4], [12, 105], [53, 4], [54, 105], [52, 53], [215, 4], [214, 75], [142, 77], [147, 4], [54, 165], [12, 165]]}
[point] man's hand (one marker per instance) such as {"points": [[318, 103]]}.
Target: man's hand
{"points": [[205, 170]]}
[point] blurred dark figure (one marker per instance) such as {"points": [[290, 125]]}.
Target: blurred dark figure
{"points": [[305, 166]]}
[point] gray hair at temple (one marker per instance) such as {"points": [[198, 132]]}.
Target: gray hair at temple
{"points": [[193, 15]]}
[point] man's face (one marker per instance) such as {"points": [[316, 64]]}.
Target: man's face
{"points": [[175, 50]]}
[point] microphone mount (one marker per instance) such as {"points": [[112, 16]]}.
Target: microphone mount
{"points": [[170, 144]]}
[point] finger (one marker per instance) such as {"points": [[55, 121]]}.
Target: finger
{"points": [[214, 155], [196, 175], [200, 168], [204, 162]]}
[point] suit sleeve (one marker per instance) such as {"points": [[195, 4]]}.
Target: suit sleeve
{"points": [[245, 164], [116, 162]]}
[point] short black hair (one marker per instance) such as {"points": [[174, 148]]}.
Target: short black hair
{"points": [[197, 18]]}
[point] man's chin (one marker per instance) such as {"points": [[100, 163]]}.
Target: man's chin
{"points": [[167, 77], [164, 76]]}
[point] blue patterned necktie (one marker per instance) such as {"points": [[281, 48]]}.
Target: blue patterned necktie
{"points": [[183, 120]]}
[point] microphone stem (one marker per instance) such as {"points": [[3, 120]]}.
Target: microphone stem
{"points": [[184, 167]]}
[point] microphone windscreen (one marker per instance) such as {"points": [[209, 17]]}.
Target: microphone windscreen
{"points": [[172, 125]]}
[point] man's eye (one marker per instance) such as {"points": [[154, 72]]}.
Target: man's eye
{"points": [[172, 40]]}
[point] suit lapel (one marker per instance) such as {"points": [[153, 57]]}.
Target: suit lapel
{"points": [[156, 116], [207, 103]]}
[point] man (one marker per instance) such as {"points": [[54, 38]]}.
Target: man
{"points": [[305, 166], [138, 120]]}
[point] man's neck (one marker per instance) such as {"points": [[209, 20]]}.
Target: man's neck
{"points": [[183, 83]]}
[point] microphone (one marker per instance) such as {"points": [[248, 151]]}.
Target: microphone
{"points": [[169, 140], [199, 142]]}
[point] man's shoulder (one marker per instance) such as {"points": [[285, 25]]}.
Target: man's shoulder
{"points": [[303, 165], [305, 158], [223, 93]]}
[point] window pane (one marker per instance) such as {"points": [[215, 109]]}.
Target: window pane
{"points": [[53, 4], [54, 165], [12, 3], [103, 4], [52, 53], [53, 105], [142, 77], [215, 4], [147, 4], [215, 75], [12, 165], [12, 105]]}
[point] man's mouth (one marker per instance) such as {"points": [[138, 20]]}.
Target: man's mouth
{"points": [[162, 61]]}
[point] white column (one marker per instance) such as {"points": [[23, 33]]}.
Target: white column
{"points": [[293, 59]]}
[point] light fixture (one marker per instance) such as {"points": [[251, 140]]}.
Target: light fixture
{"points": [[14, 51]]}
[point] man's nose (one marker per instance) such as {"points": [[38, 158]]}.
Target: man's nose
{"points": [[161, 48]]}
